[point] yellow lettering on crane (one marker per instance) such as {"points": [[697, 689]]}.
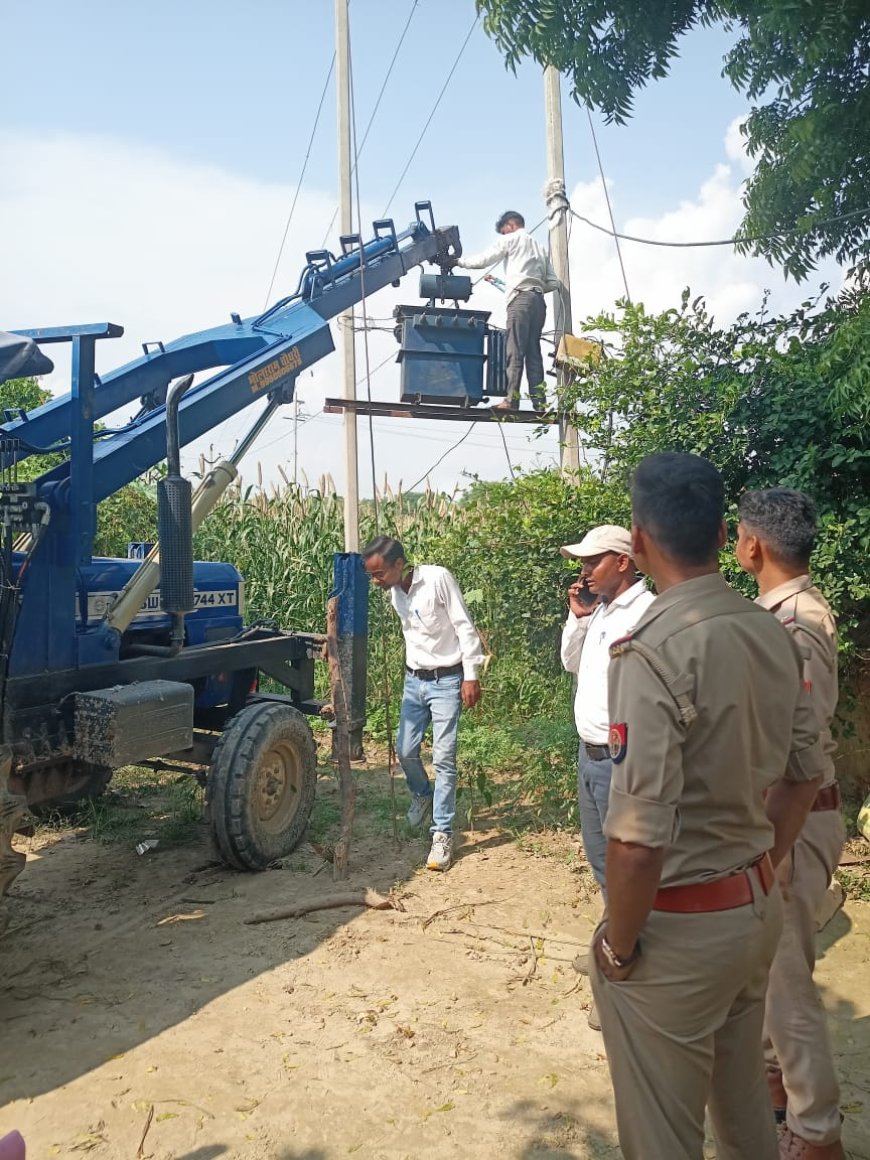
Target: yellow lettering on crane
{"points": [[279, 368]]}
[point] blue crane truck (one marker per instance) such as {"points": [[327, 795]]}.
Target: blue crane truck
{"points": [[112, 662]]}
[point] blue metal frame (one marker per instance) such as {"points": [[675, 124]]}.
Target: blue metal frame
{"points": [[262, 356]]}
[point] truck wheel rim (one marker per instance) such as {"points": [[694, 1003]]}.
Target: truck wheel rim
{"points": [[277, 790]]}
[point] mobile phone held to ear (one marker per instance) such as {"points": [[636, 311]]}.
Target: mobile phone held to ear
{"points": [[586, 597]]}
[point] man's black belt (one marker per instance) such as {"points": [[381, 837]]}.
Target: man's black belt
{"points": [[434, 674], [597, 752]]}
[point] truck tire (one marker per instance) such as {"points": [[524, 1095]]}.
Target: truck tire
{"points": [[261, 785]]}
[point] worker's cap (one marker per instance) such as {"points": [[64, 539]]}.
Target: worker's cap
{"points": [[606, 538]]}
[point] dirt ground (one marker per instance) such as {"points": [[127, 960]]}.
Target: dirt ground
{"points": [[134, 997]]}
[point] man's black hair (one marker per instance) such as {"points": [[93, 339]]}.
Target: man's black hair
{"points": [[386, 547], [785, 519], [510, 215], [679, 500]]}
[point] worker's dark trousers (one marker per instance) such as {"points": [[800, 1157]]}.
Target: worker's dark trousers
{"points": [[525, 320]]}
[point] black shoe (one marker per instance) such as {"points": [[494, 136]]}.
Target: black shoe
{"points": [[539, 400]]}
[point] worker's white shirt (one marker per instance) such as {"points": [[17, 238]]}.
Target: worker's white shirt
{"points": [[436, 624], [526, 265], [586, 642]]}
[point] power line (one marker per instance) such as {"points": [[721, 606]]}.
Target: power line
{"points": [[374, 112], [453, 68], [283, 435], [299, 182], [720, 241], [506, 452], [441, 458], [609, 206]]}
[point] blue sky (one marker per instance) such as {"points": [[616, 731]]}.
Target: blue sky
{"points": [[150, 153], [238, 86]]}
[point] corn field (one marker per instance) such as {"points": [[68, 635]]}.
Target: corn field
{"points": [[283, 540], [500, 540]]}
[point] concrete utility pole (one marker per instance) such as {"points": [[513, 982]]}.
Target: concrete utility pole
{"points": [[345, 321], [559, 245]]}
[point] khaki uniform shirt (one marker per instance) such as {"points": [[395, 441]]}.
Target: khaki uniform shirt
{"points": [[803, 610], [697, 790]]}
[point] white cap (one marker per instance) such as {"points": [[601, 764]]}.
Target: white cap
{"points": [[606, 538]]}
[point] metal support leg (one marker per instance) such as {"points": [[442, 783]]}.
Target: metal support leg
{"points": [[82, 508], [351, 586]]}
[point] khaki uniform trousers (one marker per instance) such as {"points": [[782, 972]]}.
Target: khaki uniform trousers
{"points": [[795, 1025], [684, 1031]]}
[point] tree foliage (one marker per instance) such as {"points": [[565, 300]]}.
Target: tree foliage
{"points": [[781, 401], [804, 66], [24, 394]]}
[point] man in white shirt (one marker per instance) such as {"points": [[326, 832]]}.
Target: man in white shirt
{"points": [[528, 276], [618, 600], [442, 656]]}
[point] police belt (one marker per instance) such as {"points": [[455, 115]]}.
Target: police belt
{"points": [[596, 752], [722, 894], [828, 798], [434, 674]]}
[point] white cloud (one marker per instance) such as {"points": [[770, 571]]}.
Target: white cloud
{"points": [[108, 231], [100, 230], [657, 275]]}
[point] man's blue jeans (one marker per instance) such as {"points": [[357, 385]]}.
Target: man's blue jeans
{"points": [[437, 702], [593, 795]]}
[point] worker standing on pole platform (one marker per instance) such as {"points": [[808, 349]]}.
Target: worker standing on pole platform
{"points": [[775, 538], [442, 656], [709, 713], [528, 276]]}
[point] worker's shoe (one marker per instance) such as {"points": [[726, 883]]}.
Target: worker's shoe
{"points": [[441, 854], [538, 395], [419, 809], [507, 405], [792, 1147], [592, 1019], [777, 1093], [580, 963]]}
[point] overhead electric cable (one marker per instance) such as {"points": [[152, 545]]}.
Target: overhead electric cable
{"points": [[453, 68], [299, 182], [441, 458], [609, 206], [375, 109], [720, 241], [506, 452]]}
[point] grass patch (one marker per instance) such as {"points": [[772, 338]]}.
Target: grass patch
{"points": [[856, 883], [373, 813], [140, 803]]}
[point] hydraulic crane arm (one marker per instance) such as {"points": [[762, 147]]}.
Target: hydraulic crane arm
{"points": [[261, 355], [258, 358]]}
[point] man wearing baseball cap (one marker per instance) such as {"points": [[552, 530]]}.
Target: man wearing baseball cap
{"points": [[605, 603]]}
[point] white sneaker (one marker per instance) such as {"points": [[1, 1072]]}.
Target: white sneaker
{"points": [[441, 854], [419, 809]]}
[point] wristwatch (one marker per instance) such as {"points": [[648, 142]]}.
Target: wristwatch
{"points": [[613, 958]]}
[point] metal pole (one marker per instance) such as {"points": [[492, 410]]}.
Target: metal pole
{"points": [[559, 247], [345, 321]]}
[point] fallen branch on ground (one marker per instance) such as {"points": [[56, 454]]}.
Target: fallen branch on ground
{"points": [[140, 1151], [369, 898], [469, 906]]}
